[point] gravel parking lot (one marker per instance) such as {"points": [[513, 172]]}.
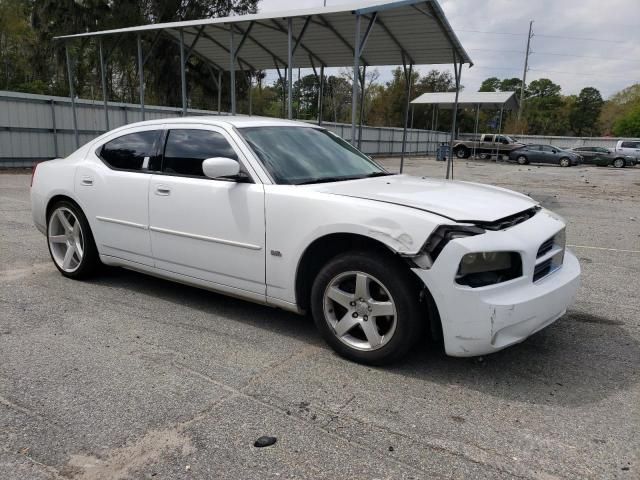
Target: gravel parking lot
{"points": [[131, 376]]}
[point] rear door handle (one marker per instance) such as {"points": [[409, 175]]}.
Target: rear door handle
{"points": [[162, 190], [88, 181]]}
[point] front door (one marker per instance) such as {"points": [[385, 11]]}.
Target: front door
{"points": [[209, 229], [113, 189]]}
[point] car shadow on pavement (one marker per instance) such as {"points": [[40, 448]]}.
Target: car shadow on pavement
{"points": [[580, 359]]}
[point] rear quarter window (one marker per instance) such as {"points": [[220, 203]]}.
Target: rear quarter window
{"points": [[133, 151]]}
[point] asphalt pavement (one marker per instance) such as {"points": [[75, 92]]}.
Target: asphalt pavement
{"points": [[129, 376]]}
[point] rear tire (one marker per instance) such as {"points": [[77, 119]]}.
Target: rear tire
{"points": [[366, 306], [462, 152], [70, 241], [619, 163]]}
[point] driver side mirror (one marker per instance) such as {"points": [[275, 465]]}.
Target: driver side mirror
{"points": [[220, 167]]}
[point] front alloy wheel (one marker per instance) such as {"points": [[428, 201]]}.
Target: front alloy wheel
{"points": [[618, 163], [360, 310], [565, 162], [522, 160], [366, 306]]}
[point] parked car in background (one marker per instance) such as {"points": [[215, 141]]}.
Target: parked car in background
{"points": [[290, 215], [629, 147], [603, 157], [545, 154]]}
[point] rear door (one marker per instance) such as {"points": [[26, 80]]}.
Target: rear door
{"points": [[209, 229], [113, 187], [548, 154]]}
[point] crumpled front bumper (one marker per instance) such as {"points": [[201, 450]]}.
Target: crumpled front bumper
{"points": [[478, 321]]}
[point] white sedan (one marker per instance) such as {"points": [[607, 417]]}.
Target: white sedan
{"points": [[289, 215]]}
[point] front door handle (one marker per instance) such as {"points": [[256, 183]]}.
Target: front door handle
{"points": [[87, 181], [162, 190]]}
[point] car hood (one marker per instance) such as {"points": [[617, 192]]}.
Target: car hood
{"points": [[456, 200]]}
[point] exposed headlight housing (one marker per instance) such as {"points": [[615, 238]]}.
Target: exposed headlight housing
{"points": [[439, 238], [488, 268]]}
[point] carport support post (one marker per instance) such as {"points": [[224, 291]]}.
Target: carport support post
{"points": [[289, 68], [232, 71], [499, 130], [72, 94], [475, 129], [183, 76], [104, 87], [356, 73], [362, 89], [321, 95], [219, 91], [408, 76], [457, 68], [141, 76]]}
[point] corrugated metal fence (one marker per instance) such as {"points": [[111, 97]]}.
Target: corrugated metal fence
{"points": [[39, 127]]}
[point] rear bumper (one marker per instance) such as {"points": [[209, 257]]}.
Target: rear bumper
{"points": [[478, 321]]}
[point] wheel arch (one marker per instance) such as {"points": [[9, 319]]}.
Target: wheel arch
{"points": [[58, 197], [328, 246]]}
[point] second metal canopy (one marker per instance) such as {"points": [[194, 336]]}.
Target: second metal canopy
{"points": [[506, 100]]}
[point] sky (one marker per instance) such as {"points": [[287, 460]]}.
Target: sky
{"points": [[603, 51]]}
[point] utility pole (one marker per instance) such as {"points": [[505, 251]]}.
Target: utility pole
{"points": [[526, 67]]}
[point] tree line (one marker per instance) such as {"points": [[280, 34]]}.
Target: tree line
{"points": [[30, 61]]}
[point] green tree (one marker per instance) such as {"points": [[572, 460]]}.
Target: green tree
{"points": [[629, 124], [583, 117], [491, 84]]}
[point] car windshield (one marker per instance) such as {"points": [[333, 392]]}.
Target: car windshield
{"points": [[303, 155]]}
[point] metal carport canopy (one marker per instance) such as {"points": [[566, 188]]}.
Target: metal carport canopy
{"points": [[415, 29], [506, 100]]}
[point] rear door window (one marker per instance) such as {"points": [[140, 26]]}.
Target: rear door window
{"points": [[133, 151], [185, 150]]}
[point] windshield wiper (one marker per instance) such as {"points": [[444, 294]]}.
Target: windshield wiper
{"points": [[326, 179], [378, 174], [340, 179]]}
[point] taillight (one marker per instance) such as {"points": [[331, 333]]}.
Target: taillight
{"points": [[33, 173]]}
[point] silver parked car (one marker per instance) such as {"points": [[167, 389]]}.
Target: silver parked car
{"points": [[545, 154], [604, 157]]}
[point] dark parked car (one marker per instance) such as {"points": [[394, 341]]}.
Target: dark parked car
{"points": [[545, 154], [605, 156]]}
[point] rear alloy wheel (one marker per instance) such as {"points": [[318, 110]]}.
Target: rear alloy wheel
{"points": [[366, 307], [565, 162], [70, 242], [522, 160], [618, 163]]}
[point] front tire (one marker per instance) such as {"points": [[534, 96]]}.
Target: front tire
{"points": [[366, 306], [70, 241], [522, 160], [618, 163], [565, 162]]}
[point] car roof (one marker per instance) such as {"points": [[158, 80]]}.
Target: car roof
{"points": [[238, 121]]}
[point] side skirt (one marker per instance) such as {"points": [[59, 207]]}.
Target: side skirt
{"points": [[199, 283]]}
